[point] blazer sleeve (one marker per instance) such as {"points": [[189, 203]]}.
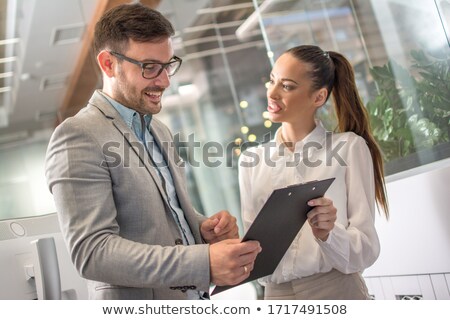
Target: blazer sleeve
{"points": [[83, 192]]}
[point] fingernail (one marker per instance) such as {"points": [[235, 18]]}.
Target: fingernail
{"points": [[311, 202]]}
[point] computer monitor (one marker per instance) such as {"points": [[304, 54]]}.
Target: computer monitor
{"points": [[34, 261]]}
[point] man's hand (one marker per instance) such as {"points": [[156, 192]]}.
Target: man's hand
{"points": [[322, 217], [232, 260], [219, 227]]}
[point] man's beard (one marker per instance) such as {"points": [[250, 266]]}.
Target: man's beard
{"points": [[128, 96]]}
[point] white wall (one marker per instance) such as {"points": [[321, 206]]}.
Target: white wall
{"points": [[416, 239]]}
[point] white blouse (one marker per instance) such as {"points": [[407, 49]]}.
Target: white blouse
{"points": [[353, 243]]}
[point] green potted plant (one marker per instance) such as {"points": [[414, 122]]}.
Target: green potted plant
{"points": [[412, 109]]}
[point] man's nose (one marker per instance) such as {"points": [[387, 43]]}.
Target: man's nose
{"points": [[163, 79]]}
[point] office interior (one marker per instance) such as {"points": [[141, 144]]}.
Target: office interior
{"points": [[400, 53]]}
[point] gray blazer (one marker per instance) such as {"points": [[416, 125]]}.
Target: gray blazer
{"points": [[114, 213]]}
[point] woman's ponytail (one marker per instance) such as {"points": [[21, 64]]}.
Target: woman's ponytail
{"points": [[353, 116], [332, 71]]}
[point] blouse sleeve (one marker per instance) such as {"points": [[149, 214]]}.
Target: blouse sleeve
{"points": [[247, 211], [355, 246]]}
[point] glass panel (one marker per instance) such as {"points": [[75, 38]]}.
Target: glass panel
{"points": [[23, 189], [411, 111], [401, 70], [217, 99]]}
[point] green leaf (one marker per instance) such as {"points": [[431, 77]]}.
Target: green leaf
{"points": [[412, 109], [413, 119], [404, 133], [388, 114]]}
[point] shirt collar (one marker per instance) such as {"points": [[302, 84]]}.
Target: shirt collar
{"points": [[317, 135], [128, 115]]}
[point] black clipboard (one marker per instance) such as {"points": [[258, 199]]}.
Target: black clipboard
{"points": [[277, 224]]}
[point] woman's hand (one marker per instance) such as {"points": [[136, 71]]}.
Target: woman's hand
{"points": [[322, 217]]}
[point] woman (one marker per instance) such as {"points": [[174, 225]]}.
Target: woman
{"points": [[326, 259]]}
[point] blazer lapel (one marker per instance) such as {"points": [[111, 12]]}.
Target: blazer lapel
{"points": [[169, 152], [139, 149], [174, 161], [130, 138]]}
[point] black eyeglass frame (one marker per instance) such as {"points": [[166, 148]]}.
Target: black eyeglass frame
{"points": [[143, 65]]}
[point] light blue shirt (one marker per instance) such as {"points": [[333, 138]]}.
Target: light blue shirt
{"points": [[142, 132]]}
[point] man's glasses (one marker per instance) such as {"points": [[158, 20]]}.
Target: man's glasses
{"points": [[151, 70]]}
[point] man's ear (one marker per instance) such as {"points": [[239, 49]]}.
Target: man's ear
{"points": [[105, 61], [321, 97]]}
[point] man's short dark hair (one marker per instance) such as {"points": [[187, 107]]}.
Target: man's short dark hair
{"points": [[130, 21]]}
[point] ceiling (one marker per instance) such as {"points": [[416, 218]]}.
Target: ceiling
{"points": [[43, 58], [47, 71]]}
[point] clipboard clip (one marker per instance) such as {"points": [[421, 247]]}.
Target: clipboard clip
{"points": [[301, 183]]}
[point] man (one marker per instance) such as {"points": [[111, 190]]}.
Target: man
{"points": [[129, 224]]}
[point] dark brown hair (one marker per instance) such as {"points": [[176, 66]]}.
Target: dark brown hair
{"points": [[130, 21], [331, 70]]}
